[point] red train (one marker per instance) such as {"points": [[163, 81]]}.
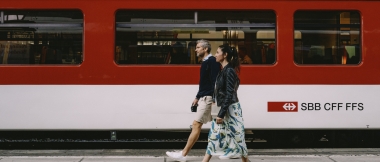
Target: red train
{"points": [[130, 65]]}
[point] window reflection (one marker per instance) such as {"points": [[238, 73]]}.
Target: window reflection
{"points": [[41, 37], [327, 37], [169, 37]]}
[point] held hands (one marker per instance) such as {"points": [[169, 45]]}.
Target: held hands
{"points": [[219, 120]]}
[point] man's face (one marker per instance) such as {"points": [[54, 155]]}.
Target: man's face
{"points": [[200, 50], [242, 52]]}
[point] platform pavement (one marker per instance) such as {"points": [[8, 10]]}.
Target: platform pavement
{"points": [[158, 155]]}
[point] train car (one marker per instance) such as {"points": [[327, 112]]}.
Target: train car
{"points": [[130, 65]]}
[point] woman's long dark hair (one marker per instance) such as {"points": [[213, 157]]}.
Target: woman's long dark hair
{"points": [[232, 56]]}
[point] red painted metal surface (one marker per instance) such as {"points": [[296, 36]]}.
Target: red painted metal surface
{"points": [[98, 66]]}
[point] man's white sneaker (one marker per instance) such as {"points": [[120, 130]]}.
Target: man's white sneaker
{"points": [[224, 157], [176, 156]]}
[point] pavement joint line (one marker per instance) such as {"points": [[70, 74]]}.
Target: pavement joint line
{"points": [[81, 160], [331, 158]]}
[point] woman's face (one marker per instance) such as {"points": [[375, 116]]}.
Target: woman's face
{"points": [[219, 55]]}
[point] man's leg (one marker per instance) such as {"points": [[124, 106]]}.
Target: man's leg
{"points": [[194, 135], [203, 115]]}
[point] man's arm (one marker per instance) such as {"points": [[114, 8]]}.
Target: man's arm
{"points": [[215, 69]]}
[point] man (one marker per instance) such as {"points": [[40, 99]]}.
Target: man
{"points": [[204, 98], [244, 58]]}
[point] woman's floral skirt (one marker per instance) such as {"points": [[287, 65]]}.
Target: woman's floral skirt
{"points": [[228, 138]]}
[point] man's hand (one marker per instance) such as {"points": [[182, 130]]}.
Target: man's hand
{"points": [[219, 120], [195, 102]]}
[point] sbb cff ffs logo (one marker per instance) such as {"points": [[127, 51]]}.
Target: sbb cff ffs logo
{"points": [[283, 106]]}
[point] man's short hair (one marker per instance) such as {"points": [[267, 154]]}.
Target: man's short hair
{"points": [[205, 44]]}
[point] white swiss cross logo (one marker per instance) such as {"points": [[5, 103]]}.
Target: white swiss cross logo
{"points": [[289, 106]]}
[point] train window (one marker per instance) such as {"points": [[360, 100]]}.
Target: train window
{"points": [[327, 37], [169, 37], [41, 37]]}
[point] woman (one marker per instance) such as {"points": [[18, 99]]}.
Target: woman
{"points": [[226, 136]]}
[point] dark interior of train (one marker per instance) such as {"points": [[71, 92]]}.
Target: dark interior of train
{"points": [[169, 37], [328, 37], [176, 45], [41, 37]]}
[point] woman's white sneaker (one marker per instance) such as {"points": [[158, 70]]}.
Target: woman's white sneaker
{"points": [[176, 155]]}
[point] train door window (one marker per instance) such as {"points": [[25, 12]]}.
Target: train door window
{"points": [[41, 37], [169, 37], [327, 37]]}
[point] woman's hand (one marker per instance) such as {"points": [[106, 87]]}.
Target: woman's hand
{"points": [[219, 120]]}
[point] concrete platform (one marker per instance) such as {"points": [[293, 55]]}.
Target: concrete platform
{"points": [[157, 155]]}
